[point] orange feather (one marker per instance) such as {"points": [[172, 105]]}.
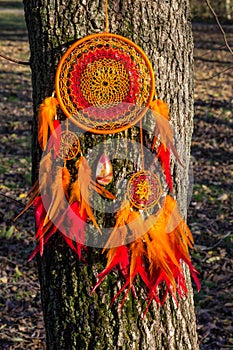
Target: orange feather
{"points": [[66, 178], [181, 239], [135, 225], [167, 245], [120, 225], [101, 190], [137, 249], [160, 112], [41, 185], [161, 108], [160, 253], [46, 114], [46, 173], [80, 190], [58, 201], [176, 224]]}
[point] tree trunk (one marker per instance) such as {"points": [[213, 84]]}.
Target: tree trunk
{"points": [[73, 318]]}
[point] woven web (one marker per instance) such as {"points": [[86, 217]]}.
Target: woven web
{"points": [[104, 84], [144, 190]]}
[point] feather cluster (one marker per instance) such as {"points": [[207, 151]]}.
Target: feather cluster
{"points": [[62, 206], [161, 244]]}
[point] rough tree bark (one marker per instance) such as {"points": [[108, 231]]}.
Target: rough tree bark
{"points": [[73, 318]]}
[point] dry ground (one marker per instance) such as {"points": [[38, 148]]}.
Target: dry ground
{"points": [[210, 212]]}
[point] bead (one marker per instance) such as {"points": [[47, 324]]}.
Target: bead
{"points": [[104, 173]]}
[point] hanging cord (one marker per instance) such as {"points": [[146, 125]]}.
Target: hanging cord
{"points": [[106, 17], [141, 143], [105, 144], [67, 125]]}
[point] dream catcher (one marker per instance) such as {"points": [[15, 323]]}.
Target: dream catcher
{"points": [[105, 84]]}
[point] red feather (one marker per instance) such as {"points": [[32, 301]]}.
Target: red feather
{"points": [[164, 157], [45, 240], [73, 228], [180, 277], [40, 214], [55, 137], [117, 256], [39, 211], [160, 279], [139, 269]]}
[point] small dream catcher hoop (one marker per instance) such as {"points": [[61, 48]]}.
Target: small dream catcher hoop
{"points": [[69, 145], [104, 84], [144, 190]]}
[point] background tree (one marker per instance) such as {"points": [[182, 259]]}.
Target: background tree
{"points": [[224, 10], [73, 318]]}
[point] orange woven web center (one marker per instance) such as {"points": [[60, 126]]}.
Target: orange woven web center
{"points": [[105, 83], [69, 145], [144, 189]]}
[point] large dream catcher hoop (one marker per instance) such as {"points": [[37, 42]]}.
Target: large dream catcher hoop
{"points": [[105, 84]]}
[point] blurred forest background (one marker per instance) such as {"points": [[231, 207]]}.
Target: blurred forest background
{"points": [[210, 212], [202, 13]]}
